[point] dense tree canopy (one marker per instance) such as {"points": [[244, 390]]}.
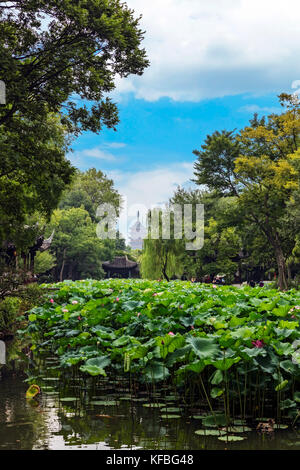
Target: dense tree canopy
{"points": [[91, 189], [53, 52], [78, 250], [59, 61], [250, 188], [263, 174], [33, 171]]}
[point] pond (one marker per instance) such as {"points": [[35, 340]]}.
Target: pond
{"points": [[70, 417]]}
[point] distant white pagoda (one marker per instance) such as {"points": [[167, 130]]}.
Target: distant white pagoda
{"points": [[137, 234]]}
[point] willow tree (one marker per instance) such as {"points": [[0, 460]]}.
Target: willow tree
{"points": [[160, 258]]}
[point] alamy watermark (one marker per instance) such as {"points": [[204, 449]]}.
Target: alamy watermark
{"points": [[176, 222]]}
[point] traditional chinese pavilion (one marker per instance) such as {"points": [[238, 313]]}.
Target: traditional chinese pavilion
{"points": [[121, 267], [9, 252]]}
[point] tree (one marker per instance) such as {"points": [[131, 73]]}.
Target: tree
{"points": [[160, 256], [91, 189], [214, 167], [78, 250], [33, 171], [222, 237], [263, 176], [44, 261], [52, 52]]}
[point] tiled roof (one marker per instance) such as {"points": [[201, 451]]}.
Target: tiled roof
{"points": [[119, 262]]}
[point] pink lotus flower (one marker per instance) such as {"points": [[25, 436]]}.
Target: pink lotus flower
{"points": [[171, 333], [52, 301], [214, 286], [79, 318], [65, 310], [74, 302], [117, 299], [297, 307], [138, 314], [155, 294], [258, 343], [192, 327]]}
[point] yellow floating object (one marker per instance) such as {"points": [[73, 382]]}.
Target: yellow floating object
{"points": [[32, 391]]}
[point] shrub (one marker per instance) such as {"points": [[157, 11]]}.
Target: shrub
{"points": [[9, 310]]}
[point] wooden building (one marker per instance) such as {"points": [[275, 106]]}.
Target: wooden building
{"points": [[121, 267]]}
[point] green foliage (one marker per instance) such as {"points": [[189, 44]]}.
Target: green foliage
{"points": [[176, 332], [78, 250], [79, 52], [260, 167], [88, 190], [44, 261], [51, 53], [9, 310], [215, 162], [33, 172]]}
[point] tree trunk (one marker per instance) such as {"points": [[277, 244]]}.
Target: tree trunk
{"points": [[289, 272], [282, 269], [62, 266], [164, 269], [275, 242]]}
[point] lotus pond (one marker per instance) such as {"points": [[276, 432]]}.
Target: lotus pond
{"points": [[184, 366]]}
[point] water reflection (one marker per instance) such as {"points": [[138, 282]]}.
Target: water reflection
{"points": [[79, 423]]}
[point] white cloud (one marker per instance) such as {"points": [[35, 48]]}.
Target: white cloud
{"points": [[266, 110], [144, 190], [97, 153], [115, 145], [82, 158], [204, 49]]}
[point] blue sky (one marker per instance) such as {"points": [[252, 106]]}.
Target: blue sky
{"points": [[212, 65]]}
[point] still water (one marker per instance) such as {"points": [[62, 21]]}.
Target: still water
{"points": [[81, 422]]}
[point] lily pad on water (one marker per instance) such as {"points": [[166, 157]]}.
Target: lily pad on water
{"points": [[239, 429], [170, 410], [154, 405], [210, 432], [11, 425], [104, 402], [170, 416], [239, 422], [66, 399], [214, 420], [291, 444], [231, 438]]}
